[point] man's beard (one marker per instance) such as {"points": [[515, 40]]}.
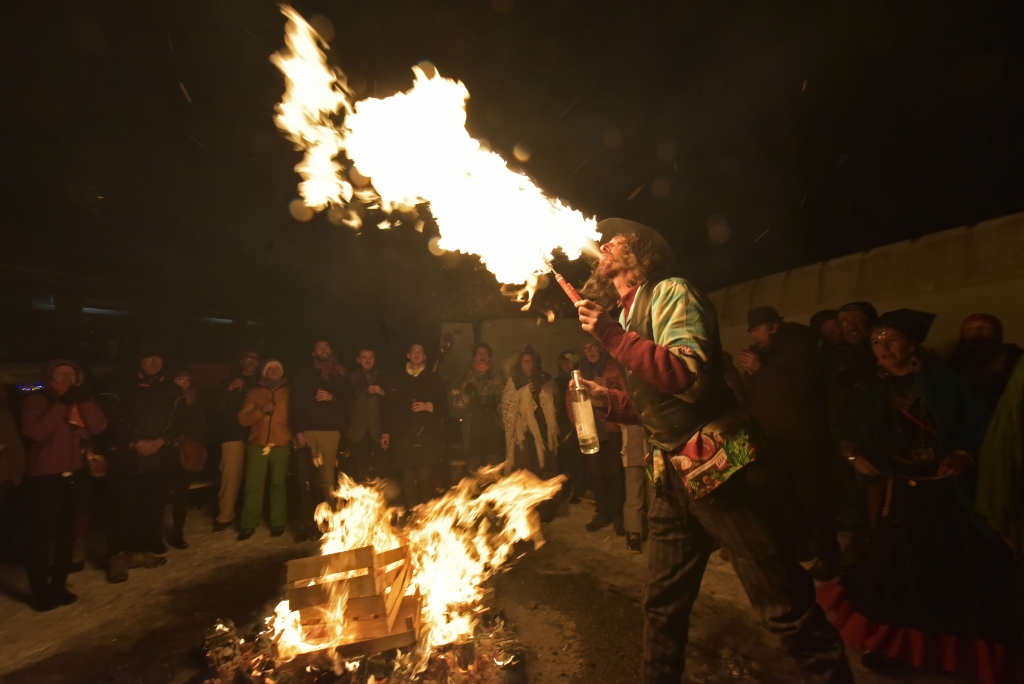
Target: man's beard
{"points": [[600, 289]]}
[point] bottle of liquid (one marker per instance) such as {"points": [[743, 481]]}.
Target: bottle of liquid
{"points": [[586, 427]]}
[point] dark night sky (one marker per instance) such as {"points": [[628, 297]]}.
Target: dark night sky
{"points": [[820, 128]]}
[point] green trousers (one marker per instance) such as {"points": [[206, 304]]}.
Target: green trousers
{"points": [[256, 463]]}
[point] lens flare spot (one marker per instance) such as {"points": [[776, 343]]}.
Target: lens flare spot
{"points": [[299, 211], [522, 152], [434, 248]]}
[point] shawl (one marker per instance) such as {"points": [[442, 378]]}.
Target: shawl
{"points": [[517, 408]]}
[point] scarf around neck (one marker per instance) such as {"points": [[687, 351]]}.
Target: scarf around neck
{"points": [[328, 368]]}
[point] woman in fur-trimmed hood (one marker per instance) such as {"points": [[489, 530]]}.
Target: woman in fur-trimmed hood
{"points": [[531, 424]]}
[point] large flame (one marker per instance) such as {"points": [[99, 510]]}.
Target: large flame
{"points": [[456, 542], [415, 148]]}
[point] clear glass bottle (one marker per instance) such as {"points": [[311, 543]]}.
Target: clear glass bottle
{"points": [[586, 426]]}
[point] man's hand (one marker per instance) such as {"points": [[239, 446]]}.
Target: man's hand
{"points": [[236, 384], [598, 393], [595, 320], [418, 406], [148, 447], [324, 395], [375, 389], [268, 408], [318, 459], [955, 464], [385, 441], [749, 361], [300, 440], [864, 466]]}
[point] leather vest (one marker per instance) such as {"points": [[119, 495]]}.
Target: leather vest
{"points": [[668, 421]]}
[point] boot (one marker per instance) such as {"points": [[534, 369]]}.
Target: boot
{"points": [[59, 590], [597, 523], [620, 530], [42, 596], [117, 568], [634, 543], [145, 559], [177, 540]]}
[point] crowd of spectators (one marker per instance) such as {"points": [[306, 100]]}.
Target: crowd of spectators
{"points": [[862, 429]]}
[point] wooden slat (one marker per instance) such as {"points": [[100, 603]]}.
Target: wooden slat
{"points": [[408, 618], [311, 568], [397, 595], [391, 556], [358, 608], [304, 597]]}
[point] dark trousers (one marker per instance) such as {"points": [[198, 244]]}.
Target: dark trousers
{"points": [[306, 485], [136, 515], [366, 460], [683, 533], [180, 480], [55, 505], [801, 479], [572, 465], [607, 477], [417, 485]]}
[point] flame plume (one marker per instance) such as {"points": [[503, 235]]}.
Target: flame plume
{"points": [[415, 149]]}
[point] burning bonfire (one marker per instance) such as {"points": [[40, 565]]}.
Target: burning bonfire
{"points": [[415, 591]]}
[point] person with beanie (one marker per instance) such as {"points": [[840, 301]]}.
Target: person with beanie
{"points": [[265, 413], [57, 420]]}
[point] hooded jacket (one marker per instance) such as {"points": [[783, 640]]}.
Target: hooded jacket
{"points": [[272, 429], [55, 443], [144, 408]]}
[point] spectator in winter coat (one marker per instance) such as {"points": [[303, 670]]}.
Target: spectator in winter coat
{"points": [[634, 511], [193, 418], [233, 436], [482, 429], [415, 404], [145, 425], [366, 459], [57, 421], [787, 389], [982, 359], [321, 401], [12, 448], [825, 324], [570, 460], [265, 413], [605, 476]]}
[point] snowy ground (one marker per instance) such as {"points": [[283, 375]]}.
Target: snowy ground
{"points": [[575, 605]]}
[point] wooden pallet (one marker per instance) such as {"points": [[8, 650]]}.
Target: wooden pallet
{"points": [[378, 614]]}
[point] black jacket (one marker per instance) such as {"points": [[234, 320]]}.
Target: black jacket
{"points": [[788, 392], [144, 408], [309, 414], [418, 438], [228, 406]]}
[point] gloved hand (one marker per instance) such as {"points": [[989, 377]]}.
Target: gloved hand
{"points": [[76, 394]]}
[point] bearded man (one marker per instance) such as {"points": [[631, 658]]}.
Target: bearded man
{"points": [[667, 342]]}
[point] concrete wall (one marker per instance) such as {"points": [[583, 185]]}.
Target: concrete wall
{"points": [[955, 273]]}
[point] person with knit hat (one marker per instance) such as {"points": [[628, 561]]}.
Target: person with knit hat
{"points": [[702, 460], [265, 413], [982, 359], [825, 325], [58, 420]]}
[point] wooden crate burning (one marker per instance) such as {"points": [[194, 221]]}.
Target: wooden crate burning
{"points": [[378, 615]]}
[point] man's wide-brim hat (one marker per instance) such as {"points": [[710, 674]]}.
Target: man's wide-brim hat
{"points": [[610, 227], [762, 315]]}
